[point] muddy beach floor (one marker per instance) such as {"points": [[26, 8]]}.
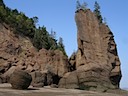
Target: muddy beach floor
{"points": [[6, 90]]}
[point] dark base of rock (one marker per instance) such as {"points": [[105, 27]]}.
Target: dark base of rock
{"points": [[39, 85], [1, 81], [44, 79]]}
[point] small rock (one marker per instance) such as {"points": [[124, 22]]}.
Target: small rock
{"points": [[54, 86]]}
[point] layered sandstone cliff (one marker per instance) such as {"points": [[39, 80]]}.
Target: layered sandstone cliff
{"points": [[96, 62], [17, 52]]}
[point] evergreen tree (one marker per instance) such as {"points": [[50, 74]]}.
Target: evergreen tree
{"points": [[97, 12], [84, 6], [61, 46], [3, 13], [78, 5], [52, 43], [105, 21], [2, 3], [40, 39], [52, 40], [53, 34], [37, 39], [35, 19]]}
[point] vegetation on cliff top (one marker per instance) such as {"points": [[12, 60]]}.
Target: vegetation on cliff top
{"points": [[25, 26], [81, 6], [96, 11]]}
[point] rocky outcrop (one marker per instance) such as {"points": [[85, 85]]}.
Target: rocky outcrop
{"points": [[53, 61], [97, 62], [52, 65], [39, 79], [17, 52], [44, 79]]}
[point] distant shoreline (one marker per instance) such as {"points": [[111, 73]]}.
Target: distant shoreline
{"points": [[125, 89]]}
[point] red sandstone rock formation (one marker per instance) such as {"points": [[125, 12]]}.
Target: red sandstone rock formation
{"points": [[17, 52], [97, 62]]}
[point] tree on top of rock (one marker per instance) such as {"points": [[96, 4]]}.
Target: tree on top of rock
{"points": [[35, 19], [61, 46], [84, 6], [97, 11], [79, 6]]}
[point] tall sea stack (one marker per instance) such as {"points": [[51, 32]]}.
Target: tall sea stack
{"points": [[97, 63]]}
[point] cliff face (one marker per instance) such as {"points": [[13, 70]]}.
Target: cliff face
{"points": [[17, 52], [96, 45], [97, 61]]}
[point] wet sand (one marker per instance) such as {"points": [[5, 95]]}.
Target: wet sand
{"points": [[6, 90]]}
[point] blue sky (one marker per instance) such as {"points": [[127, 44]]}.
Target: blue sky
{"points": [[58, 15]]}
